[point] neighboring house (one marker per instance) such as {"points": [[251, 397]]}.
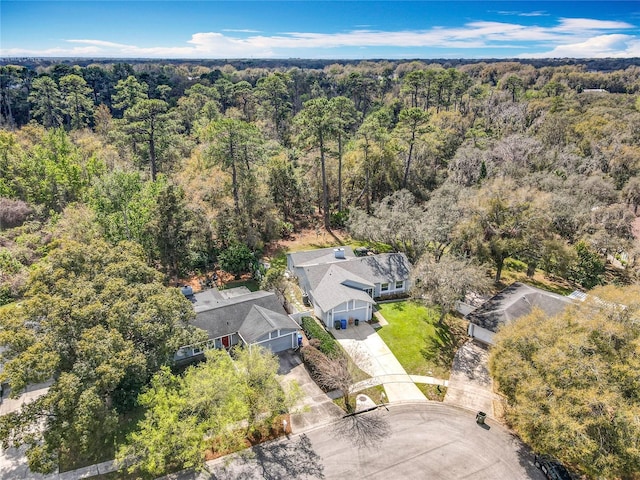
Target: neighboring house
{"points": [[341, 286], [238, 316], [515, 301]]}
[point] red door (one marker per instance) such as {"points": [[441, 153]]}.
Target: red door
{"points": [[225, 341]]}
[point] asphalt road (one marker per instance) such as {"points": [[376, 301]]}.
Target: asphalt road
{"points": [[409, 441]]}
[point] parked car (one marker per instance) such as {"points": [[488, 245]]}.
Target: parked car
{"points": [[551, 468]]}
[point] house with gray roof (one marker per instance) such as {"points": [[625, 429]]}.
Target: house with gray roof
{"points": [[515, 301], [341, 286], [238, 316]]}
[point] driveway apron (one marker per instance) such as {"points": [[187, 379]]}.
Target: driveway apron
{"points": [[314, 407], [470, 385]]}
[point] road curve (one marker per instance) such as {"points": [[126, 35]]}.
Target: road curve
{"points": [[408, 441]]}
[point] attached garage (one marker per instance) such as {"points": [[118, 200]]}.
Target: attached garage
{"points": [[282, 340], [269, 329]]}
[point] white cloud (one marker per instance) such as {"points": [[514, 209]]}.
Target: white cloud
{"points": [[240, 30], [573, 25], [101, 43], [601, 46], [571, 37], [539, 13], [516, 13]]}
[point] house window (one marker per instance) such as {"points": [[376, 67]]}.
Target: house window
{"points": [[400, 285], [384, 287]]}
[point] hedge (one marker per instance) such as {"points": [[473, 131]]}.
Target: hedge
{"points": [[312, 329]]}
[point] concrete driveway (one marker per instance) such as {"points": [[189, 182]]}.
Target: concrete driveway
{"points": [[470, 385], [315, 407], [412, 441], [373, 356]]}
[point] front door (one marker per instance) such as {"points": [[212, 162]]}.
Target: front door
{"points": [[225, 341]]}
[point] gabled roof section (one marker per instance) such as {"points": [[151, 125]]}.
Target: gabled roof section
{"points": [[261, 321], [515, 301], [337, 286], [380, 268], [224, 316], [321, 256]]}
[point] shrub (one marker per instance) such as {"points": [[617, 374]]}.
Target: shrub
{"points": [[313, 330], [312, 358], [13, 213], [236, 259]]}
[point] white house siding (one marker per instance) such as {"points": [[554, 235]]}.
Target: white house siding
{"points": [[353, 309], [393, 289], [481, 334]]}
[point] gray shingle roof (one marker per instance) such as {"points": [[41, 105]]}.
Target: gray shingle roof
{"points": [[334, 289], [515, 301], [319, 256], [224, 316], [380, 268], [329, 283], [260, 321]]}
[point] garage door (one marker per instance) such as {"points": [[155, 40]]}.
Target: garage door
{"points": [[279, 344], [359, 313]]}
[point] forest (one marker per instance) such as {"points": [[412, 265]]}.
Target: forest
{"points": [[129, 176]]}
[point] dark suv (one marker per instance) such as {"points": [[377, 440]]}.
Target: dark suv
{"points": [[552, 469]]}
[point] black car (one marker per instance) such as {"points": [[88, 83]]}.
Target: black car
{"points": [[551, 468]]}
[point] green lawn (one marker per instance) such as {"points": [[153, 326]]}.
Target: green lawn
{"points": [[420, 344]]}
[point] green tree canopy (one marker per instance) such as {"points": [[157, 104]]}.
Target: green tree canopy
{"points": [[214, 405], [78, 105], [98, 322], [571, 382], [47, 101]]}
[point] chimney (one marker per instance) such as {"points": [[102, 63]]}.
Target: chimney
{"points": [[339, 252]]}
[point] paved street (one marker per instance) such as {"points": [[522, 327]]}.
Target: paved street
{"points": [[411, 441]]}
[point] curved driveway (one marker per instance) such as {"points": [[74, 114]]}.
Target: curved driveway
{"points": [[373, 356], [409, 441]]}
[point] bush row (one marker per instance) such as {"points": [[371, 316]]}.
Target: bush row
{"points": [[313, 359], [312, 329]]}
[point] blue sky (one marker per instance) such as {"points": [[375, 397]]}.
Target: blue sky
{"points": [[322, 29]]}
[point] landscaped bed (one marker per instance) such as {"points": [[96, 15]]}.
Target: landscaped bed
{"points": [[419, 342]]}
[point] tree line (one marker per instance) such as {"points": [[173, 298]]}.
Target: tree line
{"points": [[125, 177]]}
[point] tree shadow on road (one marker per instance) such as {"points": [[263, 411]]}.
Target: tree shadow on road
{"points": [[525, 458], [294, 459], [365, 429]]}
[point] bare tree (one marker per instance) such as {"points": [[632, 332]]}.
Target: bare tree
{"points": [[447, 281], [336, 372]]}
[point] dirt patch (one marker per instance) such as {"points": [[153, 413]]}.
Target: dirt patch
{"points": [[306, 240], [217, 278]]}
